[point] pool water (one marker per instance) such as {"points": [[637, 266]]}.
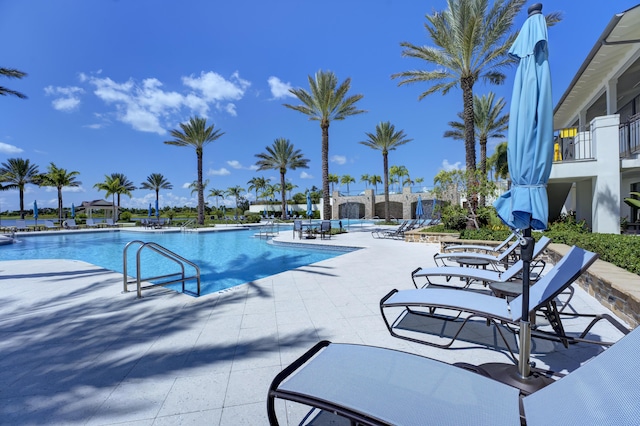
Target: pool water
{"points": [[226, 259]]}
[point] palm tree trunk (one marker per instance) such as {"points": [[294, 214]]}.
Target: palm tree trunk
{"points": [[60, 203], [385, 165], [22, 213], [483, 166], [469, 143], [200, 190], [326, 204], [283, 195]]}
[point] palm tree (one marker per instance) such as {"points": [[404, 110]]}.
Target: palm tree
{"points": [[326, 102], [386, 139], [126, 186], [346, 180], [488, 123], [59, 178], [112, 186], [365, 178], [333, 179], [18, 172], [236, 192], [375, 180], [498, 161], [156, 182], [282, 156], [196, 134], [472, 38], [258, 184], [11, 73], [216, 193]]}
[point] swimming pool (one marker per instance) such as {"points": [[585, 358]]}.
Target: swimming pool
{"points": [[226, 259]]}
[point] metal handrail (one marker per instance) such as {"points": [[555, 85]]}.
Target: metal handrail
{"points": [[188, 224], [163, 251]]}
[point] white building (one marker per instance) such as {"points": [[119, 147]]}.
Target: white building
{"points": [[597, 154]]}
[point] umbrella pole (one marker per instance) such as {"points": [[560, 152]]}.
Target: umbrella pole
{"points": [[526, 255]]}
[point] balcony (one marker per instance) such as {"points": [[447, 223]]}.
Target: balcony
{"points": [[572, 144], [629, 137]]}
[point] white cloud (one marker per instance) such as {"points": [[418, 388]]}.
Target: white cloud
{"points": [[305, 175], [147, 107], [448, 166], [5, 148], [186, 185], [338, 159], [235, 164], [279, 89], [253, 167], [67, 98], [219, 172]]}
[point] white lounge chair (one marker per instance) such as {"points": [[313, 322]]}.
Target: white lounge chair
{"points": [[472, 275], [49, 225], [459, 307], [92, 224], [70, 224], [375, 386], [494, 250]]}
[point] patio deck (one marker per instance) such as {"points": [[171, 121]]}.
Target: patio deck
{"points": [[77, 351]]}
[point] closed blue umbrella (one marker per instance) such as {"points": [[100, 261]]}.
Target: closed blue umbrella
{"points": [[419, 211], [73, 211], [529, 152], [309, 206], [35, 211], [157, 210], [149, 213]]}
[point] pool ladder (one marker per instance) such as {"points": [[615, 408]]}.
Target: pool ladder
{"points": [[163, 251]]}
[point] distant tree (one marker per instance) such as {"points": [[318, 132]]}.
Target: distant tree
{"points": [[112, 187], [365, 178], [386, 139], [126, 186], [375, 180], [333, 179], [216, 193], [257, 184], [346, 180], [282, 156], [498, 162], [11, 73], [197, 135], [59, 178], [17, 173], [235, 192], [194, 187], [489, 122], [155, 182], [327, 101]]}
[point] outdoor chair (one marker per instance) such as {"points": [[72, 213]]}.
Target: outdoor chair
{"points": [[70, 224], [91, 224], [494, 250], [325, 229], [398, 388], [21, 225], [459, 307], [110, 223], [507, 257], [49, 225], [297, 229], [473, 275]]}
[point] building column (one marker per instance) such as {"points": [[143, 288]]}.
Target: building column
{"points": [[606, 188], [612, 96]]}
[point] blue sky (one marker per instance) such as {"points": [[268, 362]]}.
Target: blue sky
{"points": [[108, 79]]}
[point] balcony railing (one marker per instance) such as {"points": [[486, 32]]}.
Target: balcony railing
{"points": [[629, 136], [572, 144]]}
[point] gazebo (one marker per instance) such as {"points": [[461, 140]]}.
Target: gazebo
{"points": [[89, 207]]}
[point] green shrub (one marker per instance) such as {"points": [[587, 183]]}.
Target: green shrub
{"points": [[454, 217], [125, 216]]}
